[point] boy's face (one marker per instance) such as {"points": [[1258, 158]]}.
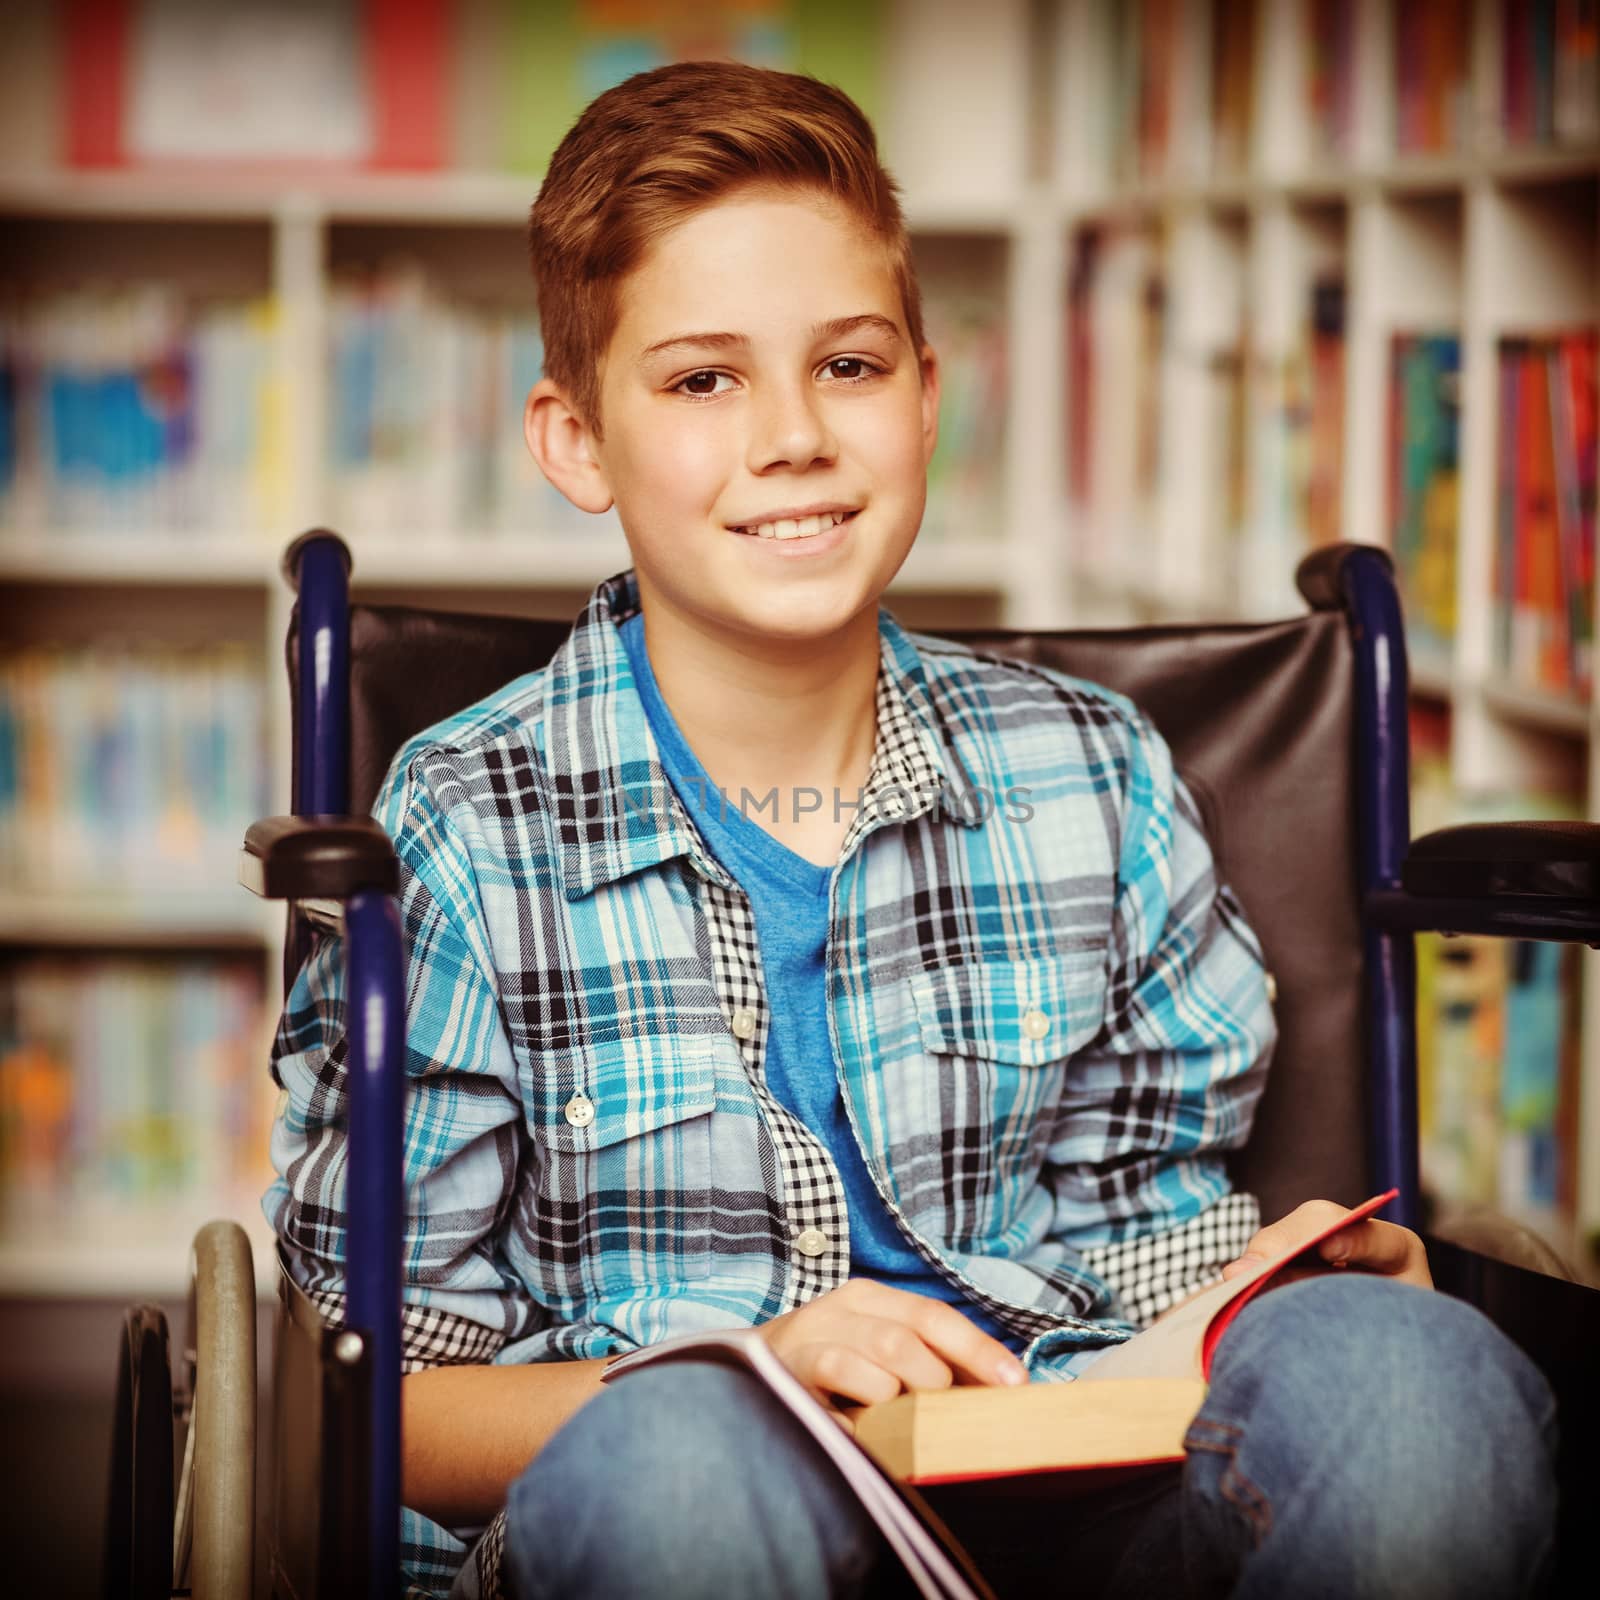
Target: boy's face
{"points": [[762, 370]]}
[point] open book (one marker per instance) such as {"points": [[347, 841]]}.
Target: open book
{"points": [[1130, 1409]]}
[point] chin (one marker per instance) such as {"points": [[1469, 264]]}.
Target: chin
{"points": [[807, 611]]}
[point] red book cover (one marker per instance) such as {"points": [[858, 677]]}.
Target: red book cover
{"points": [[1515, 119], [409, 51], [1537, 533], [1580, 358], [1505, 566], [94, 50], [406, 74]]}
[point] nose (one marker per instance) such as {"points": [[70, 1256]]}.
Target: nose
{"points": [[789, 429]]}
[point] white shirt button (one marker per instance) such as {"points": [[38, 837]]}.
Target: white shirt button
{"points": [[580, 1110], [1272, 989], [812, 1242], [1035, 1023], [743, 1023], [283, 1100]]}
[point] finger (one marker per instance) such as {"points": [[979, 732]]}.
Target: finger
{"points": [[1288, 1233], [974, 1355], [833, 1370], [895, 1346], [1382, 1247]]}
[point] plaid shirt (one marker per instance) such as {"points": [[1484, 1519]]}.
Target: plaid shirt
{"points": [[1048, 1019]]}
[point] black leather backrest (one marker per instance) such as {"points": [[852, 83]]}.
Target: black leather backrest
{"points": [[1260, 723]]}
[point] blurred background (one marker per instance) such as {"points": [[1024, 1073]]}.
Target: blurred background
{"points": [[1213, 282]]}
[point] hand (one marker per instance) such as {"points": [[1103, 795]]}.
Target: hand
{"points": [[865, 1341], [1369, 1246]]}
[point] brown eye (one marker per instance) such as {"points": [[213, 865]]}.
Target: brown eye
{"points": [[702, 384], [861, 369]]}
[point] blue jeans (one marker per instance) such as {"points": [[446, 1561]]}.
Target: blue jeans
{"points": [[1360, 1437]]}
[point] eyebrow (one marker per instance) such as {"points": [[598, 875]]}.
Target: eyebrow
{"points": [[837, 328]]}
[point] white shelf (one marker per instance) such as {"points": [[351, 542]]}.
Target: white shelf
{"points": [[1401, 176], [423, 199], [152, 558], [234, 920], [1538, 709], [126, 1252], [1431, 675], [485, 561]]}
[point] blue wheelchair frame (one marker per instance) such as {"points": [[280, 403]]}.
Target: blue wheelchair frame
{"points": [[1358, 580]]}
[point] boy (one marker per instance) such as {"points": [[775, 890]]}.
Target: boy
{"points": [[771, 966]]}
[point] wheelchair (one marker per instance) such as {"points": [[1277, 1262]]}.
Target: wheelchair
{"points": [[1293, 738]]}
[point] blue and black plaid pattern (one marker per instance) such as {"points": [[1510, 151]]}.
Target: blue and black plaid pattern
{"points": [[1050, 1020]]}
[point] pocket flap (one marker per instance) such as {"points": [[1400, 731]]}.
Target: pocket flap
{"points": [[1024, 1013], [621, 1089]]}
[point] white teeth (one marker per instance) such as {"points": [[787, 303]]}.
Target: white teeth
{"points": [[797, 527]]}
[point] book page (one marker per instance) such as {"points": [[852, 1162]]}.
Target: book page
{"points": [[1176, 1344]]}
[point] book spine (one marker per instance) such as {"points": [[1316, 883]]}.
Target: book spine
{"points": [[1576, 109]]}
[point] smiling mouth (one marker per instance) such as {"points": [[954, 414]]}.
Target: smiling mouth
{"points": [[795, 528]]}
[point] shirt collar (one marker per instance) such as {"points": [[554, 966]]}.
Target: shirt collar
{"points": [[616, 812]]}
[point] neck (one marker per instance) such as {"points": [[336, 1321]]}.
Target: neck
{"points": [[761, 713]]}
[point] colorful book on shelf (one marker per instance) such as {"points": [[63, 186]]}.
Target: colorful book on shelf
{"points": [[965, 482], [1498, 1032], [144, 83], [1549, 71], [1128, 1410], [1432, 63], [557, 55], [1148, 54], [1546, 520], [1538, 1083], [1539, 618], [1424, 451], [1297, 440], [1117, 333], [137, 769], [139, 410], [128, 1082], [1577, 71], [1233, 67], [1330, 75]]}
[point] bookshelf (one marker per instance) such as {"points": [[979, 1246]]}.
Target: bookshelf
{"points": [[1266, 195]]}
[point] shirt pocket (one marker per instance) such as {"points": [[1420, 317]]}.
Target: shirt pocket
{"points": [[997, 1036], [1022, 1013], [621, 1159]]}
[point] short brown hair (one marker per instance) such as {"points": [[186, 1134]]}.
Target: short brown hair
{"points": [[649, 153]]}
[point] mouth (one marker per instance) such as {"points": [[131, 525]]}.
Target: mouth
{"points": [[795, 527]]}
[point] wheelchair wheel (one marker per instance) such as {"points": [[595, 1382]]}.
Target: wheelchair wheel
{"points": [[213, 1535], [138, 1548]]}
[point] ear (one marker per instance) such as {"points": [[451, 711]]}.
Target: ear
{"points": [[560, 441], [928, 362]]}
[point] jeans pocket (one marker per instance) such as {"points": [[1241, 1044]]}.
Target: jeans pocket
{"points": [[1231, 1512]]}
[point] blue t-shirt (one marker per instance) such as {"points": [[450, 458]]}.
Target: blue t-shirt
{"points": [[789, 901]]}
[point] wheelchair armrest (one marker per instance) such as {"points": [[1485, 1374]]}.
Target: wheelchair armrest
{"points": [[1491, 860], [1511, 880], [317, 858]]}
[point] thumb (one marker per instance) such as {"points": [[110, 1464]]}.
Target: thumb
{"points": [[1232, 1269]]}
